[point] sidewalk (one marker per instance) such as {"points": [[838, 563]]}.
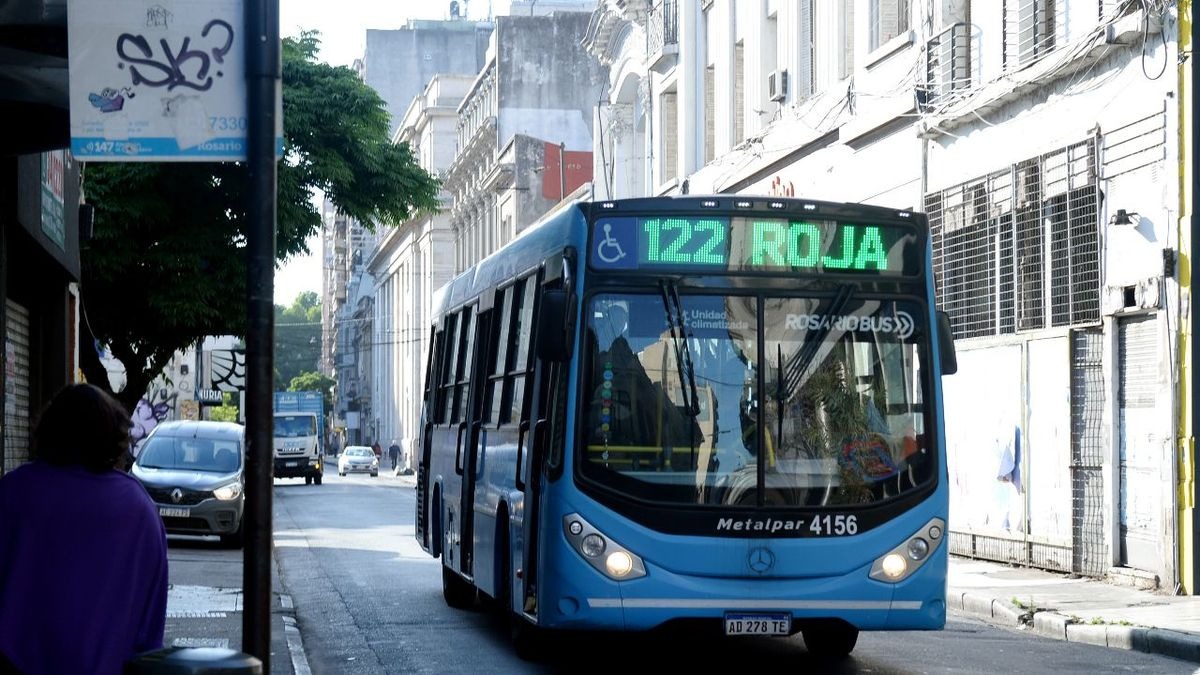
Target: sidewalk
{"points": [[205, 606], [1077, 610]]}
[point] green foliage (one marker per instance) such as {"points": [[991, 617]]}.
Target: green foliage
{"points": [[314, 381], [166, 264], [297, 338], [226, 412]]}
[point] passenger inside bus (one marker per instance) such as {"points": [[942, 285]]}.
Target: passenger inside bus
{"points": [[630, 411]]}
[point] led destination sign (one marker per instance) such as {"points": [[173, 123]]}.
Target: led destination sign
{"points": [[751, 244]]}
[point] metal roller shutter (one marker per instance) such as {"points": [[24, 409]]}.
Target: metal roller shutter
{"points": [[16, 394]]}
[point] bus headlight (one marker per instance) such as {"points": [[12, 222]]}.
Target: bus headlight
{"points": [[619, 564], [600, 551], [592, 545], [893, 566], [899, 563]]}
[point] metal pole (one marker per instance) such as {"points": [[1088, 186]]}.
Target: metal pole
{"points": [[1193, 252], [263, 74], [562, 169]]}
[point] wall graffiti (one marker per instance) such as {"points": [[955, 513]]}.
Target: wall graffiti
{"points": [[157, 406]]}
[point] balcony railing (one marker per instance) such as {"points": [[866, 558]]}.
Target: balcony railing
{"points": [[662, 29]]}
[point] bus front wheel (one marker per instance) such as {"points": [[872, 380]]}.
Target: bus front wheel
{"points": [[830, 640]]}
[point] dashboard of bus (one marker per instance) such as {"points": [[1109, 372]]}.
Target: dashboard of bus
{"points": [[755, 400]]}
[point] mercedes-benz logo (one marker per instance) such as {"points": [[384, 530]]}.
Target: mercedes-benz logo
{"points": [[176, 495], [761, 560]]}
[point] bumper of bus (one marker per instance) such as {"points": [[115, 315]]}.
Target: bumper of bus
{"points": [[595, 602]]}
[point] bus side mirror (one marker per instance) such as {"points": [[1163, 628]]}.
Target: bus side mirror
{"points": [[946, 344], [556, 325]]}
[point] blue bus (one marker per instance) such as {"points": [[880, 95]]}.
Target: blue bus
{"points": [[719, 411]]}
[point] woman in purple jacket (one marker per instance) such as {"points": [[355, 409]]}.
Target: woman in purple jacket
{"points": [[83, 552]]}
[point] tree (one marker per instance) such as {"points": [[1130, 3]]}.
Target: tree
{"points": [[166, 263], [227, 411], [314, 381], [297, 338]]}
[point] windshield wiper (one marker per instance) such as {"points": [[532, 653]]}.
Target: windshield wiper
{"points": [[812, 342], [683, 359], [683, 355]]}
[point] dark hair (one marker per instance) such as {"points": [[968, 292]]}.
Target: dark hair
{"points": [[82, 425]]}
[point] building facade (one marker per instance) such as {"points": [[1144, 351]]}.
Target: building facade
{"points": [[508, 140], [358, 325], [524, 134], [410, 263], [1042, 141]]}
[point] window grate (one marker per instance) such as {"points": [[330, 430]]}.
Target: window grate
{"points": [[1031, 30], [947, 64], [1019, 249]]}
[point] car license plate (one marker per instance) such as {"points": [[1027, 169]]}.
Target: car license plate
{"points": [[173, 513], [291, 463], [758, 624]]}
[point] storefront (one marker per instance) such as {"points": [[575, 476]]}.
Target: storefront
{"points": [[39, 220]]}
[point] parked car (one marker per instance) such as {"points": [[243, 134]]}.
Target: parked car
{"points": [[358, 458], [195, 473]]}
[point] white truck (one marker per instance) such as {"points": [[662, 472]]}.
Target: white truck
{"points": [[298, 447]]}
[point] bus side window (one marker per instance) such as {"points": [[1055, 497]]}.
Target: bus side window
{"points": [[465, 353], [437, 344], [448, 348], [516, 381], [493, 399]]}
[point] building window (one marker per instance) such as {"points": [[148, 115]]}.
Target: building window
{"points": [[805, 71], [1019, 249], [1029, 27], [888, 18], [845, 39], [710, 109], [670, 135], [739, 92]]}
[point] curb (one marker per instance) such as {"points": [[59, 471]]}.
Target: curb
{"points": [[1046, 623]]}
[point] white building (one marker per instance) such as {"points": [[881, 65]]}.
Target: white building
{"points": [[526, 115], [1039, 138], [410, 263]]}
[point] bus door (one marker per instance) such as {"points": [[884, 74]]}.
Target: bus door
{"points": [[470, 435], [542, 379], [453, 412], [428, 416]]}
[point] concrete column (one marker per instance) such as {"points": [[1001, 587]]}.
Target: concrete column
{"points": [[690, 89]]}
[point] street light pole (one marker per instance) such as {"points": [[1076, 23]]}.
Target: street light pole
{"points": [[263, 75], [562, 171]]}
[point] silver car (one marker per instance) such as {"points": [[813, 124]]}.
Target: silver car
{"points": [[195, 473], [357, 458]]}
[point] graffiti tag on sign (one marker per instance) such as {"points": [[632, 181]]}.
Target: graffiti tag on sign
{"points": [[180, 65], [150, 82]]}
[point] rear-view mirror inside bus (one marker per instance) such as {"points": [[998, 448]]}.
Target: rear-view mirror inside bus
{"points": [[554, 326]]}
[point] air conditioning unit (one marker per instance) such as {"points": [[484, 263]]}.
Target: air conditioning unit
{"points": [[777, 84]]}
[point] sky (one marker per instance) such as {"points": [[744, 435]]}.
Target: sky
{"points": [[343, 28]]}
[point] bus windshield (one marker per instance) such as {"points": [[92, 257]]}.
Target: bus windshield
{"points": [[754, 400]]}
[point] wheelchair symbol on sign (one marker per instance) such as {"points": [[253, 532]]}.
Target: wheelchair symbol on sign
{"points": [[609, 249]]}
